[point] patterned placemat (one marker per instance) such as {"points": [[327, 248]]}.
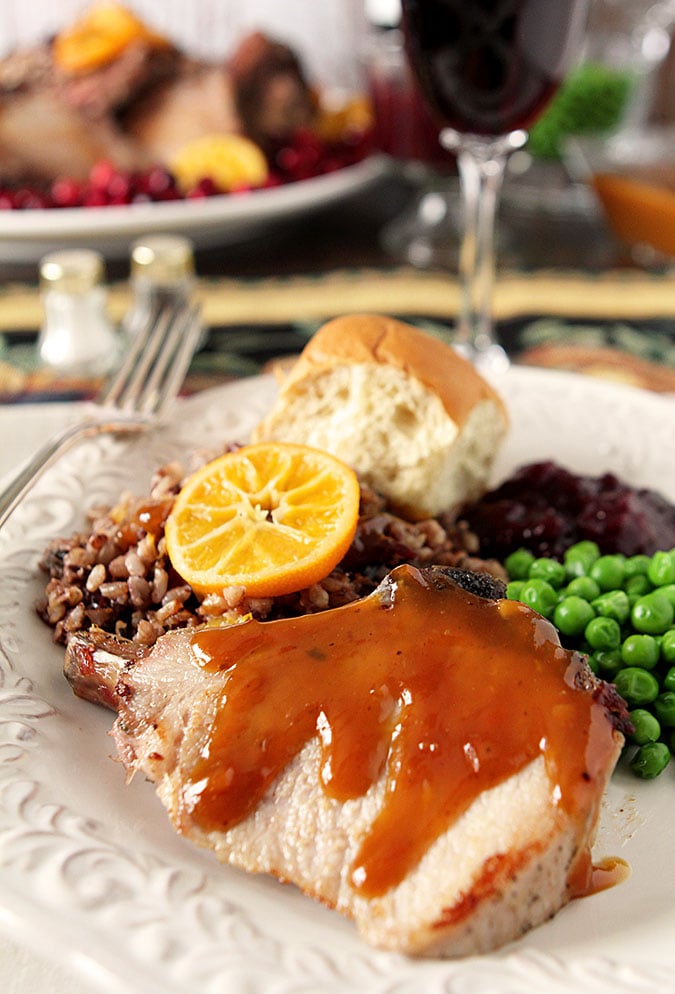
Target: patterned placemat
{"points": [[619, 325]]}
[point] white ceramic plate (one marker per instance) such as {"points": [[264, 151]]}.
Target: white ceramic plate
{"points": [[26, 235], [91, 872]]}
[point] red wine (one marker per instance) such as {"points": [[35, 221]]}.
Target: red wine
{"points": [[404, 127], [490, 66]]}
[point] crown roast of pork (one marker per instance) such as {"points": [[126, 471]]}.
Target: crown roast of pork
{"points": [[410, 415], [143, 105]]}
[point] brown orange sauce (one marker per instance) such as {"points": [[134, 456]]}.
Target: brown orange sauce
{"points": [[445, 693], [640, 207]]}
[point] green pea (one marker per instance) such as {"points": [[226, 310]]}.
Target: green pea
{"points": [[583, 586], [669, 679], [518, 564], [580, 557], [650, 760], [668, 646], [640, 650], [637, 686], [664, 708], [668, 591], [637, 586], [646, 727], [513, 588], [608, 662], [662, 568], [603, 633], [637, 565], [571, 615], [550, 570], [613, 604], [539, 595], [652, 614], [609, 571]]}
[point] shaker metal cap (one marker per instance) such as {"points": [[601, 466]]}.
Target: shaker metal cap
{"points": [[162, 259], [71, 270]]}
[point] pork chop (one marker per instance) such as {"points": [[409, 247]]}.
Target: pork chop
{"points": [[428, 761]]}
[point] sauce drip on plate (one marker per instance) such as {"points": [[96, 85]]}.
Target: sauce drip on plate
{"points": [[444, 693]]}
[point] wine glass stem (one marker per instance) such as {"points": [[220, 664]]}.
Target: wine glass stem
{"points": [[480, 182]]}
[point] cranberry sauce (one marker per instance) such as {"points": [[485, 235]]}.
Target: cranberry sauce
{"points": [[490, 66], [546, 508]]}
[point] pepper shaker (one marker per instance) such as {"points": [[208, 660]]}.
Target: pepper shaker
{"points": [[76, 335], [162, 272]]}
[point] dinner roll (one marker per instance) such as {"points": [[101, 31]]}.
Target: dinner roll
{"points": [[411, 416]]}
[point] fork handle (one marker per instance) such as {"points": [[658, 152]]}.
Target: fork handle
{"points": [[48, 454]]}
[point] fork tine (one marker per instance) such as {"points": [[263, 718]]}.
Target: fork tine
{"points": [[168, 372], [147, 381], [114, 388], [126, 397], [178, 369]]}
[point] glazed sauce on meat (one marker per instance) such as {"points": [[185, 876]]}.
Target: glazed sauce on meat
{"points": [[445, 693]]}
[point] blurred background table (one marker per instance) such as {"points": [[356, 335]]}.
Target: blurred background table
{"points": [[568, 292], [263, 297]]}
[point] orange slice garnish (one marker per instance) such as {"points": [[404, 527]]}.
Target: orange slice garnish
{"points": [[273, 518], [100, 35], [231, 161]]}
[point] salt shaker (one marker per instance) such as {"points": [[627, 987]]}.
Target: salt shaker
{"points": [[77, 335], [162, 272]]}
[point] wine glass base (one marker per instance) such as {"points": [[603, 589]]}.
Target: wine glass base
{"points": [[491, 361], [427, 234]]}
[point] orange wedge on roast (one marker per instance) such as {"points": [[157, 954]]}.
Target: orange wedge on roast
{"points": [[100, 35]]}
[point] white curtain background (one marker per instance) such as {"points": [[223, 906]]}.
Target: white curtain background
{"points": [[328, 34]]}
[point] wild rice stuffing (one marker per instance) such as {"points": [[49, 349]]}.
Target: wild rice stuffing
{"points": [[116, 575]]}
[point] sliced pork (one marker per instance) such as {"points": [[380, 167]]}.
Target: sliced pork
{"points": [[427, 760]]}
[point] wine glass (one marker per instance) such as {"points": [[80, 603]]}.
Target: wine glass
{"points": [[487, 68]]}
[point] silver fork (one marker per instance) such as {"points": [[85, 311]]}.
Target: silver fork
{"points": [[138, 397]]}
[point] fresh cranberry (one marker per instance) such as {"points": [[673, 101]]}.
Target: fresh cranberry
{"points": [[120, 189], [94, 197], [26, 199], [204, 188], [159, 184], [170, 194], [302, 158], [101, 173], [239, 189], [273, 180], [331, 164], [66, 193]]}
